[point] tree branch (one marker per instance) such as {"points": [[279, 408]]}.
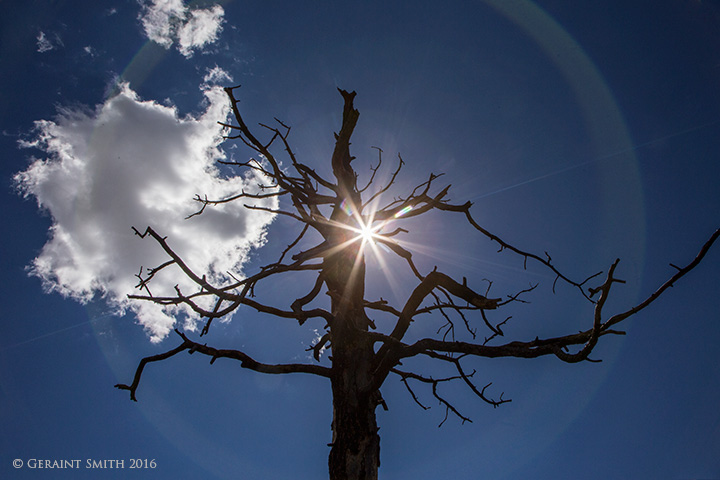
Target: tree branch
{"points": [[246, 361]]}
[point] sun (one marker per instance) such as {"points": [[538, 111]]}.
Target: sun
{"points": [[367, 233]]}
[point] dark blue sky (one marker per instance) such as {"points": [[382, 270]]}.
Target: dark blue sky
{"points": [[590, 130]]}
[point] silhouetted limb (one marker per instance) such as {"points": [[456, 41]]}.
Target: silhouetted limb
{"points": [[246, 361], [154, 358]]}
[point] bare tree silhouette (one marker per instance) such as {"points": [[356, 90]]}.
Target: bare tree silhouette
{"points": [[347, 221]]}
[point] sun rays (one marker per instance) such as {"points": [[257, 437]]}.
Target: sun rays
{"points": [[372, 240]]}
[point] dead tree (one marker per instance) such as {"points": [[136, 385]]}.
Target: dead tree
{"points": [[340, 215]]}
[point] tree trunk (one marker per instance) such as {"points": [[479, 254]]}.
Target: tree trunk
{"points": [[355, 453]]}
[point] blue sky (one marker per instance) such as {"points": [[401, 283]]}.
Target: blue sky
{"points": [[590, 131]]}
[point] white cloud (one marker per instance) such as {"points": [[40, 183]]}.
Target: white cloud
{"points": [[216, 75], [44, 44], [161, 18], [169, 21], [90, 51], [137, 163], [202, 28]]}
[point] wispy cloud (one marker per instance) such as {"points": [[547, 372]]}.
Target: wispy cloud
{"points": [[202, 28], [216, 75], [90, 51], [137, 163], [45, 44], [169, 22]]}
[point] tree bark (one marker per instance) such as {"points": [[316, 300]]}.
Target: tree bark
{"points": [[355, 453]]}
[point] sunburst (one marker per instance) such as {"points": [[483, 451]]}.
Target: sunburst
{"points": [[372, 238], [366, 233]]}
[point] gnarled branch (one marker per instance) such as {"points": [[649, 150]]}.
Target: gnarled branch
{"points": [[246, 361]]}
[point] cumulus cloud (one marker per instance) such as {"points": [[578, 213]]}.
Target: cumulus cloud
{"points": [[167, 22], [201, 28], [137, 163]]}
